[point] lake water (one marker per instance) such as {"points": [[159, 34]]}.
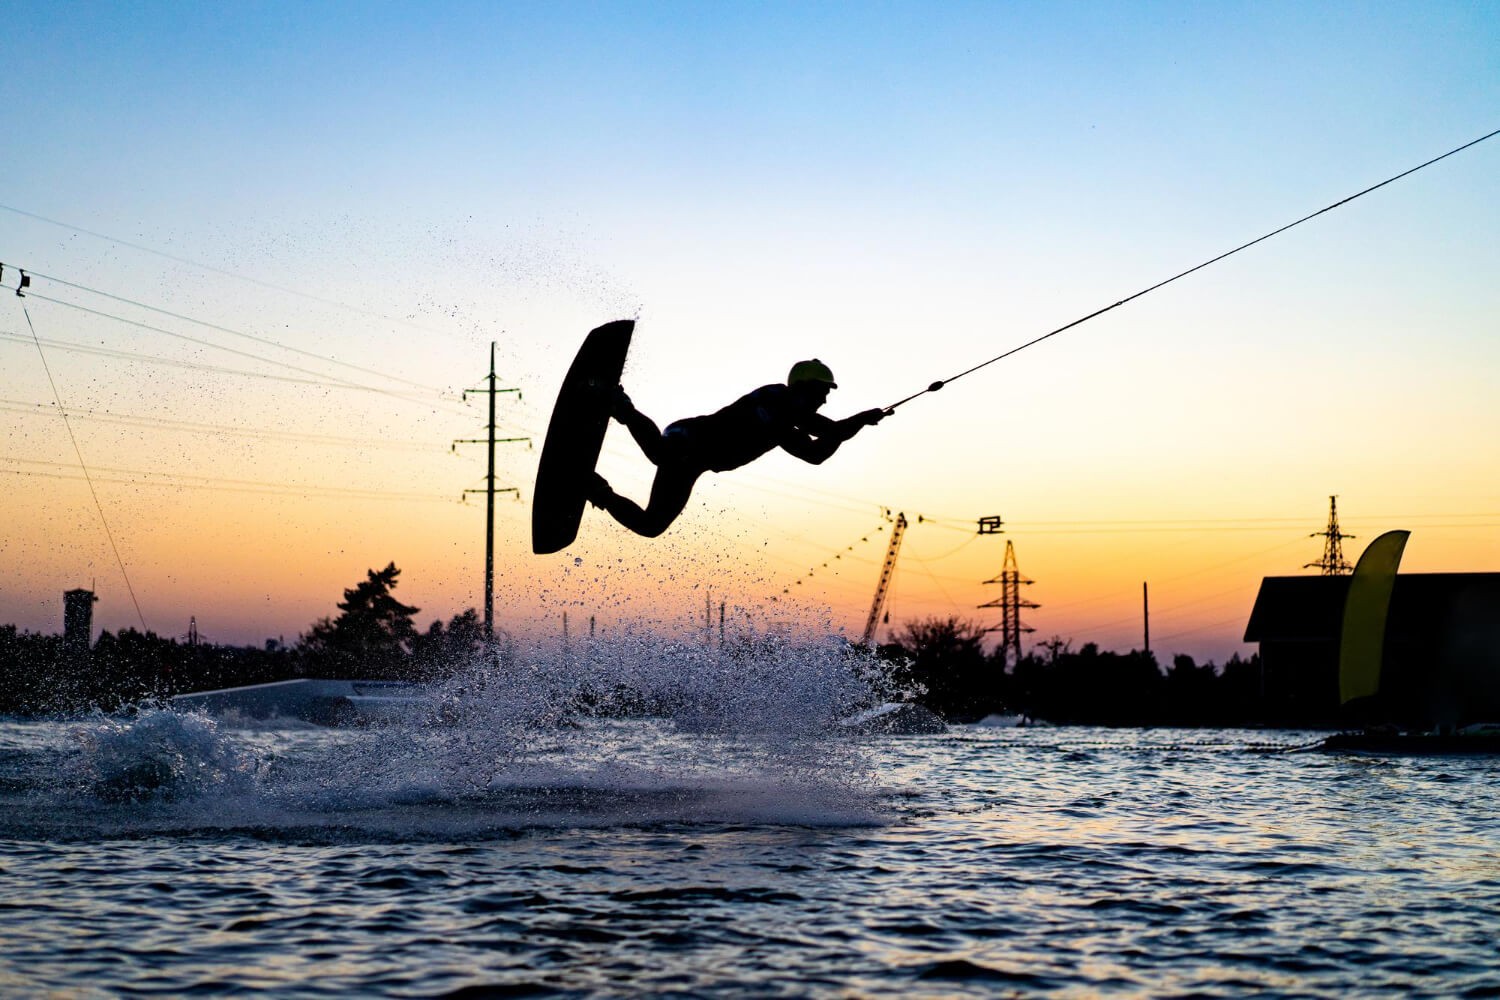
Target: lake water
{"points": [[715, 852]]}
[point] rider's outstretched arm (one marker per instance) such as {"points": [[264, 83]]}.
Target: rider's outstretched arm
{"points": [[826, 435]]}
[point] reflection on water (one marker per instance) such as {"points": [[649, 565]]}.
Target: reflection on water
{"points": [[702, 854]]}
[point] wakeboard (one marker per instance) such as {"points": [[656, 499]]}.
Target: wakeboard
{"points": [[575, 434]]}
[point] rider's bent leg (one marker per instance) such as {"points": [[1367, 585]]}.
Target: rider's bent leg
{"points": [[669, 495], [647, 435]]}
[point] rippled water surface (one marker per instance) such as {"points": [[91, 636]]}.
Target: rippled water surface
{"points": [[168, 855]]}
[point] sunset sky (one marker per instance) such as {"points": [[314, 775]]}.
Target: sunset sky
{"points": [[271, 244]]}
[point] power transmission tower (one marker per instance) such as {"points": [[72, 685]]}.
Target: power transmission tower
{"points": [[886, 571], [490, 491], [1010, 605], [1332, 563]]}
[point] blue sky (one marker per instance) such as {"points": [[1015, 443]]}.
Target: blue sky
{"points": [[901, 189], [320, 104]]}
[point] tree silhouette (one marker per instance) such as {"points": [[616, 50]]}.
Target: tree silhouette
{"points": [[439, 652], [946, 657], [372, 636]]}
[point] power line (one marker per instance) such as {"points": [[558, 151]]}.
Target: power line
{"points": [[135, 420], [1157, 612], [172, 480], [106, 352], [84, 466], [1245, 558], [229, 330], [221, 271], [1200, 628], [953, 551], [1252, 525], [841, 502], [1019, 528], [331, 380], [936, 580], [1283, 520], [1170, 520], [847, 502]]}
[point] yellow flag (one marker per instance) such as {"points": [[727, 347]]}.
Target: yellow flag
{"points": [[1362, 644]]}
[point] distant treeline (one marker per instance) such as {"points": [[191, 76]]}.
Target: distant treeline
{"points": [[940, 661], [944, 659], [374, 637]]}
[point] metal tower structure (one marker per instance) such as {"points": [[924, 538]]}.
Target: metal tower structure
{"points": [[1332, 563], [489, 491], [1010, 605], [886, 571]]}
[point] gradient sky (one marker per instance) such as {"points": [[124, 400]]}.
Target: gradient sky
{"points": [[903, 190]]}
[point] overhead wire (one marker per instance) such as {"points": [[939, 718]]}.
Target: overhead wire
{"points": [[190, 427], [1157, 612], [1173, 526], [155, 359], [1199, 628], [833, 499], [936, 583], [319, 378], [974, 537], [229, 330], [1166, 528], [174, 480], [1116, 595], [221, 271], [1126, 522], [99, 507], [1074, 526], [748, 483], [1233, 562], [326, 379], [106, 352]]}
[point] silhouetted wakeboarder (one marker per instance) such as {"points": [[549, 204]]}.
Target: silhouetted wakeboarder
{"points": [[774, 416], [779, 415]]}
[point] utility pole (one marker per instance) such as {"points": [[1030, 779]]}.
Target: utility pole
{"points": [[1146, 615], [490, 491], [1332, 563], [1010, 605]]}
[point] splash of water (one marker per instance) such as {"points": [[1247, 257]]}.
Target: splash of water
{"points": [[159, 755], [630, 730]]}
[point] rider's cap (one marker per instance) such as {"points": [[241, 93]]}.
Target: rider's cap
{"points": [[811, 371]]}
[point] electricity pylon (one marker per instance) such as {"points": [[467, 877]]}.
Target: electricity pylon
{"points": [[1332, 563], [1010, 605]]}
